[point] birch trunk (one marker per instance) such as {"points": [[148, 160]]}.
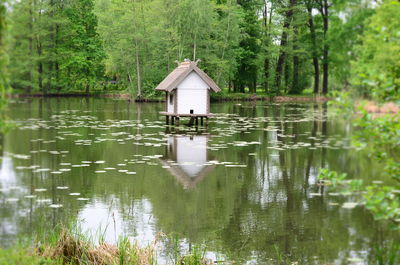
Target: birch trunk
{"points": [[30, 25], [138, 75], [314, 46], [194, 48], [324, 10]]}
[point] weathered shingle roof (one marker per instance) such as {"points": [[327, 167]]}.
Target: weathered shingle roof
{"points": [[180, 73]]}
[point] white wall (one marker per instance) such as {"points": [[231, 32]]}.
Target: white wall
{"points": [[192, 94], [170, 107]]}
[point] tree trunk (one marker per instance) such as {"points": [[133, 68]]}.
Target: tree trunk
{"points": [[137, 57], [281, 61], [138, 75], [130, 82], [282, 55], [325, 64], [267, 43], [253, 87], [40, 60], [194, 48], [314, 46], [52, 47], [40, 71], [266, 74], [30, 25], [295, 81], [287, 74], [56, 64]]}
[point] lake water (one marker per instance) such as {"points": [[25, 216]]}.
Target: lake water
{"points": [[246, 186]]}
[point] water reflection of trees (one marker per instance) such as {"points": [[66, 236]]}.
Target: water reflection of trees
{"points": [[299, 226], [245, 213]]}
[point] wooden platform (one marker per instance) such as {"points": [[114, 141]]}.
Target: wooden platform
{"points": [[194, 118], [164, 113]]}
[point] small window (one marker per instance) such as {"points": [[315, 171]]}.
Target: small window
{"points": [[171, 99]]}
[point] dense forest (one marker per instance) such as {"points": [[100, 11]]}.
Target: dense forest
{"points": [[251, 46]]}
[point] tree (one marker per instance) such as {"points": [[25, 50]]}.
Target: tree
{"points": [[81, 49], [249, 46], [283, 45], [377, 65], [323, 7], [21, 47], [157, 33], [58, 46], [54, 45], [4, 86], [267, 23], [310, 4], [3, 56]]}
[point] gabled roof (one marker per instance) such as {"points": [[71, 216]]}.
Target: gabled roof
{"points": [[181, 72]]}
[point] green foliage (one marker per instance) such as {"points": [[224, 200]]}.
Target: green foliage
{"points": [[143, 39], [344, 36], [383, 132], [332, 177], [3, 55], [249, 46], [376, 69], [383, 202], [382, 136], [58, 46], [54, 46], [4, 82], [82, 52]]}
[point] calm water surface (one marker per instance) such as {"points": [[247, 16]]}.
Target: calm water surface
{"points": [[245, 186]]}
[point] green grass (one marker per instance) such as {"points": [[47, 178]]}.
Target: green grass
{"points": [[24, 256], [72, 246]]}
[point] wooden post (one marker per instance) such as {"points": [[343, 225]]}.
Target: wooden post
{"points": [[201, 120], [172, 120], [191, 121], [197, 121], [167, 119]]}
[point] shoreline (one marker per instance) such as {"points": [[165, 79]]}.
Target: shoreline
{"points": [[229, 98]]}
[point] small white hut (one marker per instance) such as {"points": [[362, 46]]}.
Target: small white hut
{"points": [[187, 92]]}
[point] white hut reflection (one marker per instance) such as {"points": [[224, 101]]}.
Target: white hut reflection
{"points": [[187, 158]]}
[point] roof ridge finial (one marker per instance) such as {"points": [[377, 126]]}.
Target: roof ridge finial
{"points": [[197, 61]]}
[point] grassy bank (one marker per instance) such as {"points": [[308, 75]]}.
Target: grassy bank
{"points": [[69, 246]]}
